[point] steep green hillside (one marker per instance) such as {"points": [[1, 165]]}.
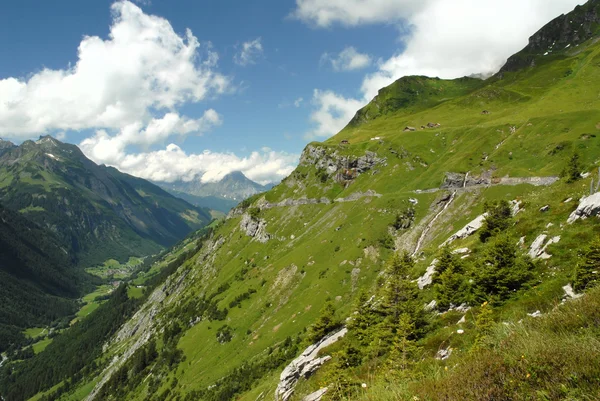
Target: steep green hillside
{"points": [[350, 238], [39, 281], [96, 211]]}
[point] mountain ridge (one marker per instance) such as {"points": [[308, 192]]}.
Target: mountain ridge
{"points": [[97, 211]]}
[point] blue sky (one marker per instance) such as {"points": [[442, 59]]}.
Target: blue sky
{"points": [[240, 112]]}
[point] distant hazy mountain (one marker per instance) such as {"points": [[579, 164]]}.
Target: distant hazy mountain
{"points": [[96, 211], [222, 195]]}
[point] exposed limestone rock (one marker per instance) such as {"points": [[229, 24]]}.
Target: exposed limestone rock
{"points": [[538, 249], [316, 396], [467, 230], [588, 206], [544, 208], [335, 164], [570, 293], [304, 365], [254, 228], [537, 313], [443, 354], [427, 278]]}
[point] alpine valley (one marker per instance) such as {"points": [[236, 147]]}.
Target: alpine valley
{"points": [[445, 245]]}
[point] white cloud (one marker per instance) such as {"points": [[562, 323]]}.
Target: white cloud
{"points": [[249, 52], [298, 102], [348, 59], [173, 163], [112, 149], [324, 13], [144, 67], [446, 39], [332, 114]]}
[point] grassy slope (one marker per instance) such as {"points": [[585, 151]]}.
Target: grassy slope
{"points": [[318, 251]]}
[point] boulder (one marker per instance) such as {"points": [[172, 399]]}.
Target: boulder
{"points": [[467, 230], [588, 206], [305, 365], [427, 278], [544, 208], [538, 249], [255, 228], [316, 396]]}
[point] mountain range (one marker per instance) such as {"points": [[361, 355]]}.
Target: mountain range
{"points": [[222, 195], [96, 211], [445, 245]]}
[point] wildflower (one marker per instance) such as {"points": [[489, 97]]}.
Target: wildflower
{"points": [[364, 385], [528, 375]]}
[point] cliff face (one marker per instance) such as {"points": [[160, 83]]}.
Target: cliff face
{"points": [[563, 33]]}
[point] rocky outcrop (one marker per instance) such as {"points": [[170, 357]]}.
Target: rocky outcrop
{"points": [[467, 230], [342, 167], [316, 396], [588, 206], [256, 228], [459, 180], [564, 32], [538, 249], [427, 278], [304, 365]]}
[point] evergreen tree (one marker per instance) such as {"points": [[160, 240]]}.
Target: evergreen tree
{"points": [[498, 219], [363, 320], [483, 323], [573, 170], [324, 325], [399, 292], [403, 350], [501, 271], [587, 272]]}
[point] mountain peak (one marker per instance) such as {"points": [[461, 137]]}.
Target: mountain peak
{"points": [[236, 175], [562, 34]]}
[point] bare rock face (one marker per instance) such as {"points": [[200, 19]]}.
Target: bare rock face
{"points": [[305, 365], [538, 249], [316, 396], [427, 278], [588, 206], [467, 230], [342, 167], [254, 228]]}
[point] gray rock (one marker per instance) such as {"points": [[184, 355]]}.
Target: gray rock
{"points": [[316, 396], [544, 208], [467, 230], [427, 278], [254, 228], [304, 365], [588, 206]]}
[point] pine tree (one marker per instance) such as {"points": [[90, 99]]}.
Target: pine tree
{"points": [[587, 272], [573, 170], [399, 292], [483, 323], [324, 325], [363, 320], [498, 219], [403, 350], [450, 284], [502, 271]]}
